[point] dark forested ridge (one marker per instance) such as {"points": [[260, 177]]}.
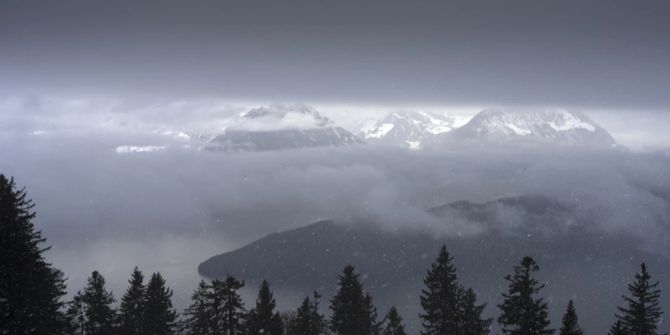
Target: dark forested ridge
{"points": [[448, 285], [583, 264]]}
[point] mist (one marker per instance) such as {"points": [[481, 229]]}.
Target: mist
{"points": [[171, 209]]}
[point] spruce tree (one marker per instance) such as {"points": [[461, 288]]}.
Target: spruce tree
{"points": [[617, 329], [643, 311], [570, 325], [393, 323], [471, 322], [441, 297], [199, 314], [227, 308], [76, 316], [523, 313], [131, 311], [100, 315], [352, 310], [307, 320], [370, 314], [159, 317], [30, 288], [262, 319]]}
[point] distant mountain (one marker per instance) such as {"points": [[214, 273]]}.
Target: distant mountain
{"points": [[542, 126], [414, 130], [578, 260], [281, 127]]}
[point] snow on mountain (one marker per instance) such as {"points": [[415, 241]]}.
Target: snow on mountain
{"points": [[411, 129], [278, 127], [546, 126], [131, 149]]}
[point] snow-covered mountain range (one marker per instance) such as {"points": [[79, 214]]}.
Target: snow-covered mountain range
{"points": [[280, 127], [414, 130], [283, 127], [537, 126]]}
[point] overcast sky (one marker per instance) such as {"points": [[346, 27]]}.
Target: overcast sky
{"points": [[604, 54]]}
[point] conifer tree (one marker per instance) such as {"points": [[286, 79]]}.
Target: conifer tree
{"points": [[159, 316], [352, 310], [30, 288], [570, 325], [370, 316], [441, 297], [471, 322], [199, 314], [132, 306], [393, 323], [263, 319], [76, 316], [100, 315], [523, 313], [307, 320], [617, 329], [227, 308], [643, 311]]}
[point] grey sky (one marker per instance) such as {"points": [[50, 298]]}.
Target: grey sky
{"points": [[599, 54]]}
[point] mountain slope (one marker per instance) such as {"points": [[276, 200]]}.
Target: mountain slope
{"points": [[542, 126], [281, 127], [579, 261], [410, 129]]}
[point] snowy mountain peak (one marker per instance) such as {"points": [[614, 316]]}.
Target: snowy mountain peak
{"points": [[557, 126], [413, 129], [280, 127], [275, 117]]}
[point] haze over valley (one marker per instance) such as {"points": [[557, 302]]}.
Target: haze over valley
{"points": [[285, 140]]}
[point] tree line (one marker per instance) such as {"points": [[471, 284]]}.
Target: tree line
{"points": [[32, 291]]}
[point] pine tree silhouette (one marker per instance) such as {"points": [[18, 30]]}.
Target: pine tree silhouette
{"points": [[307, 320], [617, 329], [227, 309], [159, 316], [131, 321], [522, 313], [570, 325], [440, 298], [352, 310], [448, 308], [643, 311], [263, 319], [199, 314], [98, 302], [76, 315], [471, 322], [30, 288], [393, 323]]}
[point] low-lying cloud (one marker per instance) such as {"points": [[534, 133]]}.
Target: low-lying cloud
{"points": [[170, 209]]}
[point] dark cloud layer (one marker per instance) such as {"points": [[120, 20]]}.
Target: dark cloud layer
{"points": [[587, 53]]}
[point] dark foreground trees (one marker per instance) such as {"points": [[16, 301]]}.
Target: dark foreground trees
{"points": [[198, 319], [131, 318], [449, 308], [352, 310], [99, 315], [642, 310], [30, 288], [307, 319], [159, 317], [393, 323], [570, 322], [522, 311], [263, 319]]}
